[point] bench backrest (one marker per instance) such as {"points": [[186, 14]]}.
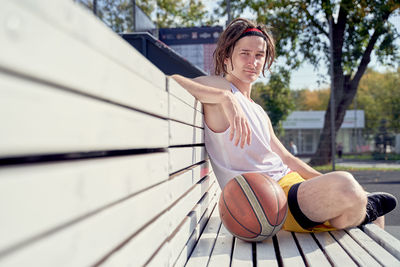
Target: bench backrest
{"points": [[102, 157]]}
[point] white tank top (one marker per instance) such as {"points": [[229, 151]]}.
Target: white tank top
{"points": [[229, 160]]}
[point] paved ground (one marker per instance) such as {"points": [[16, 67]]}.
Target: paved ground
{"points": [[374, 181]]}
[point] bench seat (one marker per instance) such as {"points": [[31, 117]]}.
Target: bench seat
{"points": [[370, 246]]}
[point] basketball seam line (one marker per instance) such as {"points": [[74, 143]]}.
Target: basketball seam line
{"points": [[258, 207], [277, 217], [227, 207]]}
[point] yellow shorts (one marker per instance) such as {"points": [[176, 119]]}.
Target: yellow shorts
{"points": [[291, 224]]}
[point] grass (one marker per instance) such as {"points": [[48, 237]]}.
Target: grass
{"points": [[328, 168], [372, 156]]}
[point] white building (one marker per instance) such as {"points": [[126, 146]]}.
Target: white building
{"points": [[304, 128]]}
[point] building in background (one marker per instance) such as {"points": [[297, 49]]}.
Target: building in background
{"points": [[304, 128], [195, 44]]}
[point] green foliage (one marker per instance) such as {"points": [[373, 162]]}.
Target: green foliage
{"points": [[117, 14], [275, 97], [379, 97], [306, 99], [302, 33]]}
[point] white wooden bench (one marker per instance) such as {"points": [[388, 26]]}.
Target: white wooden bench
{"points": [[102, 159]]}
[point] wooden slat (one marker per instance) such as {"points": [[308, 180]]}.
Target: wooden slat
{"points": [[384, 239], [188, 230], [182, 157], [69, 42], [140, 248], [242, 254], [312, 253], [373, 248], [159, 230], [183, 134], [221, 254], [201, 253], [179, 92], [186, 204], [198, 173], [288, 249], [180, 111], [333, 250], [358, 254], [266, 255], [39, 120], [36, 198], [181, 183], [85, 242], [188, 248]]}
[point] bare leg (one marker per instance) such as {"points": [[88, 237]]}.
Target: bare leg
{"points": [[380, 222], [335, 197]]}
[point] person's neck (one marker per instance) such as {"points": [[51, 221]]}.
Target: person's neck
{"points": [[243, 87]]}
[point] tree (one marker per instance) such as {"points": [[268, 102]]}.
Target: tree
{"points": [[274, 97], [302, 34], [118, 14], [177, 13], [306, 99], [379, 96]]}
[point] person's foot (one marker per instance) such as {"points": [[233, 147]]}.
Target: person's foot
{"points": [[379, 203]]}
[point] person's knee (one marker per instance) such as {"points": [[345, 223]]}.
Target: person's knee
{"points": [[350, 191]]}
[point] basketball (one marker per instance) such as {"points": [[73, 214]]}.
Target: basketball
{"points": [[253, 207]]}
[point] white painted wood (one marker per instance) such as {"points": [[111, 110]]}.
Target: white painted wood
{"points": [[288, 249], [40, 197], [266, 255], [81, 24], [373, 248], [242, 254], [186, 204], [59, 42], [182, 157], [201, 253], [384, 239], [199, 173], [180, 111], [200, 120], [179, 92], [334, 251], [181, 184], [221, 254], [358, 254], [183, 134], [158, 230], [37, 119], [312, 253], [160, 259], [182, 229], [85, 242], [144, 245], [180, 255]]}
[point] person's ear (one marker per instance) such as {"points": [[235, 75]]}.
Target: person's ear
{"points": [[226, 61]]}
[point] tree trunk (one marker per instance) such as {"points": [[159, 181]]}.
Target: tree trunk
{"points": [[323, 154], [344, 86]]}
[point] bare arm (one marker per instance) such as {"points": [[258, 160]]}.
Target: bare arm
{"points": [[294, 163], [213, 96], [205, 94]]}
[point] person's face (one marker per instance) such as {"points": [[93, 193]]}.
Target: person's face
{"points": [[248, 58]]}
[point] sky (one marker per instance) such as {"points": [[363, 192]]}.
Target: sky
{"points": [[306, 76]]}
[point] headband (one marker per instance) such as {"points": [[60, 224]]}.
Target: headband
{"points": [[253, 32]]}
